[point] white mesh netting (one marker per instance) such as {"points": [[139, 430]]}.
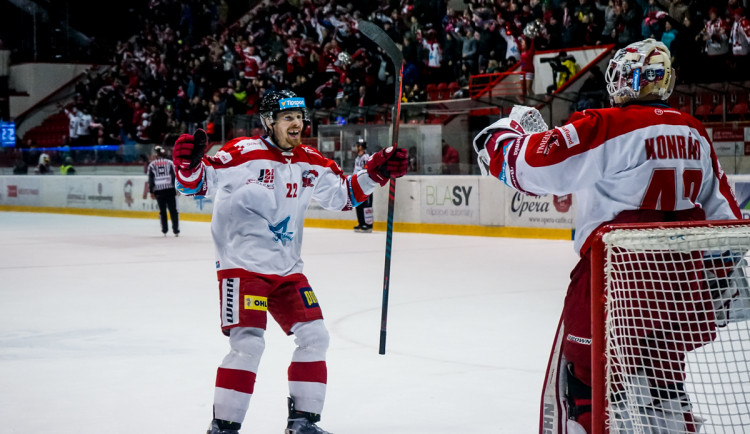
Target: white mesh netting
{"points": [[677, 335]]}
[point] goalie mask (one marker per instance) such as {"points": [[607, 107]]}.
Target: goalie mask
{"points": [[641, 71], [276, 102]]}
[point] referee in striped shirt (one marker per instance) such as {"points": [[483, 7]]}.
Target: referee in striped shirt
{"points": [[161, 186]]}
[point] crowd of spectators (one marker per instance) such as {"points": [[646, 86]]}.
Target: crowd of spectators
{"points": [[192, 62]]}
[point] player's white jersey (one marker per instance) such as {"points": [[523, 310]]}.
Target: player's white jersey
{"points": [[260, 199], [640, 157]]}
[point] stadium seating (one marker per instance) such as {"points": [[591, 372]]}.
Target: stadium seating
{"points": [[442, 91], [51, 132], [703, 111], [433, 94], [739, 112], [453, 87]]}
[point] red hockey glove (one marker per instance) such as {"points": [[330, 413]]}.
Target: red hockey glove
{"points": [[388, 162], [188, 150]]}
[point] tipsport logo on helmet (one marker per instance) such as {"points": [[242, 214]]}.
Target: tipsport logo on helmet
{"points": [[637, 80], [291, 103]]}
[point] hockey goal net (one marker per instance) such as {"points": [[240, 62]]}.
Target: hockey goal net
{"points": [[671, 328]]}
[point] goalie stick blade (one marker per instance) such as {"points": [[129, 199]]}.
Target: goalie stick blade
{"points": [[379, 37], [382, 40]]}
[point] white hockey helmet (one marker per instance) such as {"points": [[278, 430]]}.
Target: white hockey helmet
{"points": [[641, 71]]}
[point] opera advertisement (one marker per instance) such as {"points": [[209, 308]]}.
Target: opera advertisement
{"points": [[548, 211]]}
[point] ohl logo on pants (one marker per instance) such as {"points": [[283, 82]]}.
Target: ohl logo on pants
{"points": [[254, 302]]}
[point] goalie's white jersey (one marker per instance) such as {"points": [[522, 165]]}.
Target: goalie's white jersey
{"points": [[260, 196], [632, 158]]}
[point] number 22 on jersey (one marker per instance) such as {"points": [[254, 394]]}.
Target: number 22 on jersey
{"points": [[291, 189]]}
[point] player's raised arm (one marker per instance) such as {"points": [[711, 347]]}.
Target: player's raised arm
{"points": [[389, 162], [490, 144], [186, 156]]}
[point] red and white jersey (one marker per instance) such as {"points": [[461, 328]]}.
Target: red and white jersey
{"points": [[260, 199], [639, 157]]}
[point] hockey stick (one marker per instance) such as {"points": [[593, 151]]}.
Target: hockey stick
{"points": [[382, 40]]}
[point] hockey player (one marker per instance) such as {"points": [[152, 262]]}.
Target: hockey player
{"points": [[262, 187], [639, 161]]}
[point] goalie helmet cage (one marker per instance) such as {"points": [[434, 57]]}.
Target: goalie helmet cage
{"points": [[670, 329]]}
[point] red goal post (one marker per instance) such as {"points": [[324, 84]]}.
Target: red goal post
{"points": [[670, 319]]}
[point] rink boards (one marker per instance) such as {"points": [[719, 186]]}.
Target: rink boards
{"points": [[465, 205]]}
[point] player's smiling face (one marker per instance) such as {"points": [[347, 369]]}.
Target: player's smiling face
{"points": [[288, 129]]}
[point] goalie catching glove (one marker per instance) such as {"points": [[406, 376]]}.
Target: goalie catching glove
{"points": [[387, 163], [493, 139]]}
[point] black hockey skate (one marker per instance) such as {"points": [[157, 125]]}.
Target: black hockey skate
{"points": [[215, 428], [363, 228], [302, 422]]}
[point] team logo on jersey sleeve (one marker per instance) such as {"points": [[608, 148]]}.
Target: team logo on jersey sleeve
{"points": [[309, 177], [223, 156], [280, 231], [569, 135]]}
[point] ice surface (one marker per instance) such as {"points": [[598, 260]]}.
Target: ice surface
{"points": [[108, 327]]}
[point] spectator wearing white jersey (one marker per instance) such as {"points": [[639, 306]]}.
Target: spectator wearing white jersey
{"points": [[73, 117], [84, 127]]}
